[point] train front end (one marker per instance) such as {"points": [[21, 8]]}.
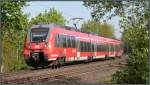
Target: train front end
{"points": [[37, 47]]}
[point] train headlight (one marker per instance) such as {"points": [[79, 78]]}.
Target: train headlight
{"points": [[47, 45], [29, 46]]}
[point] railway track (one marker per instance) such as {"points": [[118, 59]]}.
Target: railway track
{"points": [[64, 73]]}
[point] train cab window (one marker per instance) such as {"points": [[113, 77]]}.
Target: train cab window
{"points": [[39, 34]]}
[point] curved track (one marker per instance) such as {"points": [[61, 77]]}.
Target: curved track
{"points": [[64, 73]]}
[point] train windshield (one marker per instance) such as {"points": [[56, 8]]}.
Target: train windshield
{"points": [[39, 34]]}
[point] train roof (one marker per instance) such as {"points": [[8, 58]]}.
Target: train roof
{"points": [[53, 25], [49, 26]]}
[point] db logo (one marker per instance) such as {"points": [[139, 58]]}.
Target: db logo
{"points": [[37, 46]]}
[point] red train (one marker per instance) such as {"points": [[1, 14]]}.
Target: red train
{"points": [[54, 44]]}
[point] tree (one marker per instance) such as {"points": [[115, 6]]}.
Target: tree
{"points": [[50, 16], [14, 23], [134, 17], [105, 30]]}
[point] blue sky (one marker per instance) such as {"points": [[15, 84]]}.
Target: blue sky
{"points": [[69, 9]]}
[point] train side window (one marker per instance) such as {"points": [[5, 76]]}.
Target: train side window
{"points": [[87, 44], [94, 47], [100, 47], [56, 41], [80, 48], [111, 48], [106, 48], [73, 42], [103, 48], [114, 47], [84, 47], [90, 47], [61, 37], [118, 47], [97, 47], [68, 42], [64, 41]]}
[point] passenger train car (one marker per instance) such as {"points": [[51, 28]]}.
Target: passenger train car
{"points": [[54, 44]]}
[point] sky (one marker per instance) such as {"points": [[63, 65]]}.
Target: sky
{"points": [[69, 9]]}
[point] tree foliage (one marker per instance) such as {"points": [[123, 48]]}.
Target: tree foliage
{"points": [[133, 20], [50, 16], [14, 23], [92, 26], [137, 71]]}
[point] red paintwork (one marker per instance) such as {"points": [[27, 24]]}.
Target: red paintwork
{"points": [[68, 52]]}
